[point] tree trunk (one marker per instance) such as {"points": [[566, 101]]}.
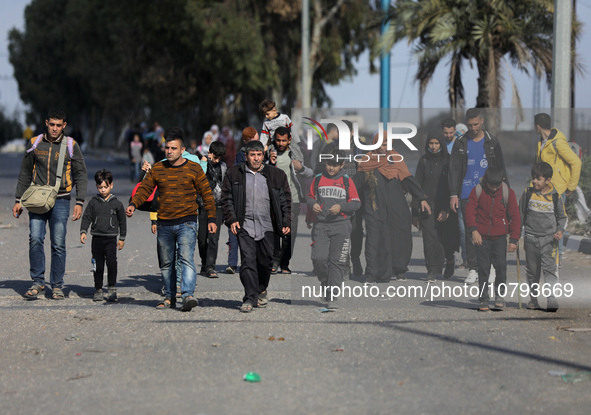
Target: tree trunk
{"points": [[483, 99], [489, 91]]}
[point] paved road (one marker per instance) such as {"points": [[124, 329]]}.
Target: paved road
{"points": [[380, 356]]}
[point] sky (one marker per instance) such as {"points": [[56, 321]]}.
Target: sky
{"points": [[363, 90]]}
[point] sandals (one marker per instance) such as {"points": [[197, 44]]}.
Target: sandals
{"points": [[263, 301], [246, 308], [57, 294], [285, 271], [34, 291], [211, 274], [166, 303], [179, 294], [483, 308], [275, 268]]}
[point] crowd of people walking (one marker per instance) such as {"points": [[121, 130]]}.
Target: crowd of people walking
{"points": [[461, 202]]}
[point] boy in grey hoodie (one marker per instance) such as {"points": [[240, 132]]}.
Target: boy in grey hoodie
{"points": [[334, 199], [107, 216], [544, 220]]}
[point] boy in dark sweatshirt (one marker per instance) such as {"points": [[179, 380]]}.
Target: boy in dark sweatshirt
{"points": [[107, 216], [544, 219], [333, 198], [491, 214]]}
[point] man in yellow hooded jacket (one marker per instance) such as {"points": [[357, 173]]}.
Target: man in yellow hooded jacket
{"points": [[553, 148]]}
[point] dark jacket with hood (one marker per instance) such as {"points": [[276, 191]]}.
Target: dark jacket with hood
{"points": [[432, 175], [458, 163], [234, 196], [106, 217]]}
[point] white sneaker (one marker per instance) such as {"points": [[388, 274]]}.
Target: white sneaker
{"points": [[493, 275], [472, 277]]}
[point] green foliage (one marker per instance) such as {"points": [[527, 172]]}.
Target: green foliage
{"points": [[9, 128], [187, 62], [482, 31], [585, 179]]}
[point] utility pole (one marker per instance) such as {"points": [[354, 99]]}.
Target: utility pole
{"points": [[561, 65], [306, 84], [384, 74], [572, 80]]}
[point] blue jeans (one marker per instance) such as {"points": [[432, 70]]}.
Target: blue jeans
{"points": [[178, 267], [58, 222], [182, 239], [135, 170]]}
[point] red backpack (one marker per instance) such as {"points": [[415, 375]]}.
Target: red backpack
{"points": [[151, 203]]}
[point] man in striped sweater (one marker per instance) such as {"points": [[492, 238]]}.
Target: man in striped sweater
{"points": [[178, 180]]}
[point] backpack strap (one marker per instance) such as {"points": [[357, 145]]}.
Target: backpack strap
{"points": [[316, 181], [35, 143], [528, 192], [505, 190], [555, 200], [69, 141], [60, 167], [346, 180]]}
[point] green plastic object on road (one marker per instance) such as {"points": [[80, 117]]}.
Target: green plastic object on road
{"points": [[577, 377], [252, 377]]}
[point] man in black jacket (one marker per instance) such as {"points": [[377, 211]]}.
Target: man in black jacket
{"points": [[472, 154], [256, 202]]}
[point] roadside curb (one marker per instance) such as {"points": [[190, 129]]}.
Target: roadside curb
{"points": [[578, 243]]}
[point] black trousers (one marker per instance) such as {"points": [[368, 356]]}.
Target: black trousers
{"points": [[283, 245], [492, 251], [434, 252], [208, 242], [104, 248], [255, 268], [356, 235]]}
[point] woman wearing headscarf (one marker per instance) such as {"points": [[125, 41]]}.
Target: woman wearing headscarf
{"points": [[215, 132], [203, 149], [384, 181], [439, 229]]}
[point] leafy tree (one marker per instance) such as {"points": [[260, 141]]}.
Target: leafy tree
{"points": [[40, 61], [486, 32], [9, 128], [184, 62]]}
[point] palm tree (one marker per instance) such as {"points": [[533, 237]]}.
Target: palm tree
{"points": [[485, 32]]}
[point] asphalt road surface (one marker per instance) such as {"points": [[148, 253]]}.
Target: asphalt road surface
{"points": [[409, 354]]}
